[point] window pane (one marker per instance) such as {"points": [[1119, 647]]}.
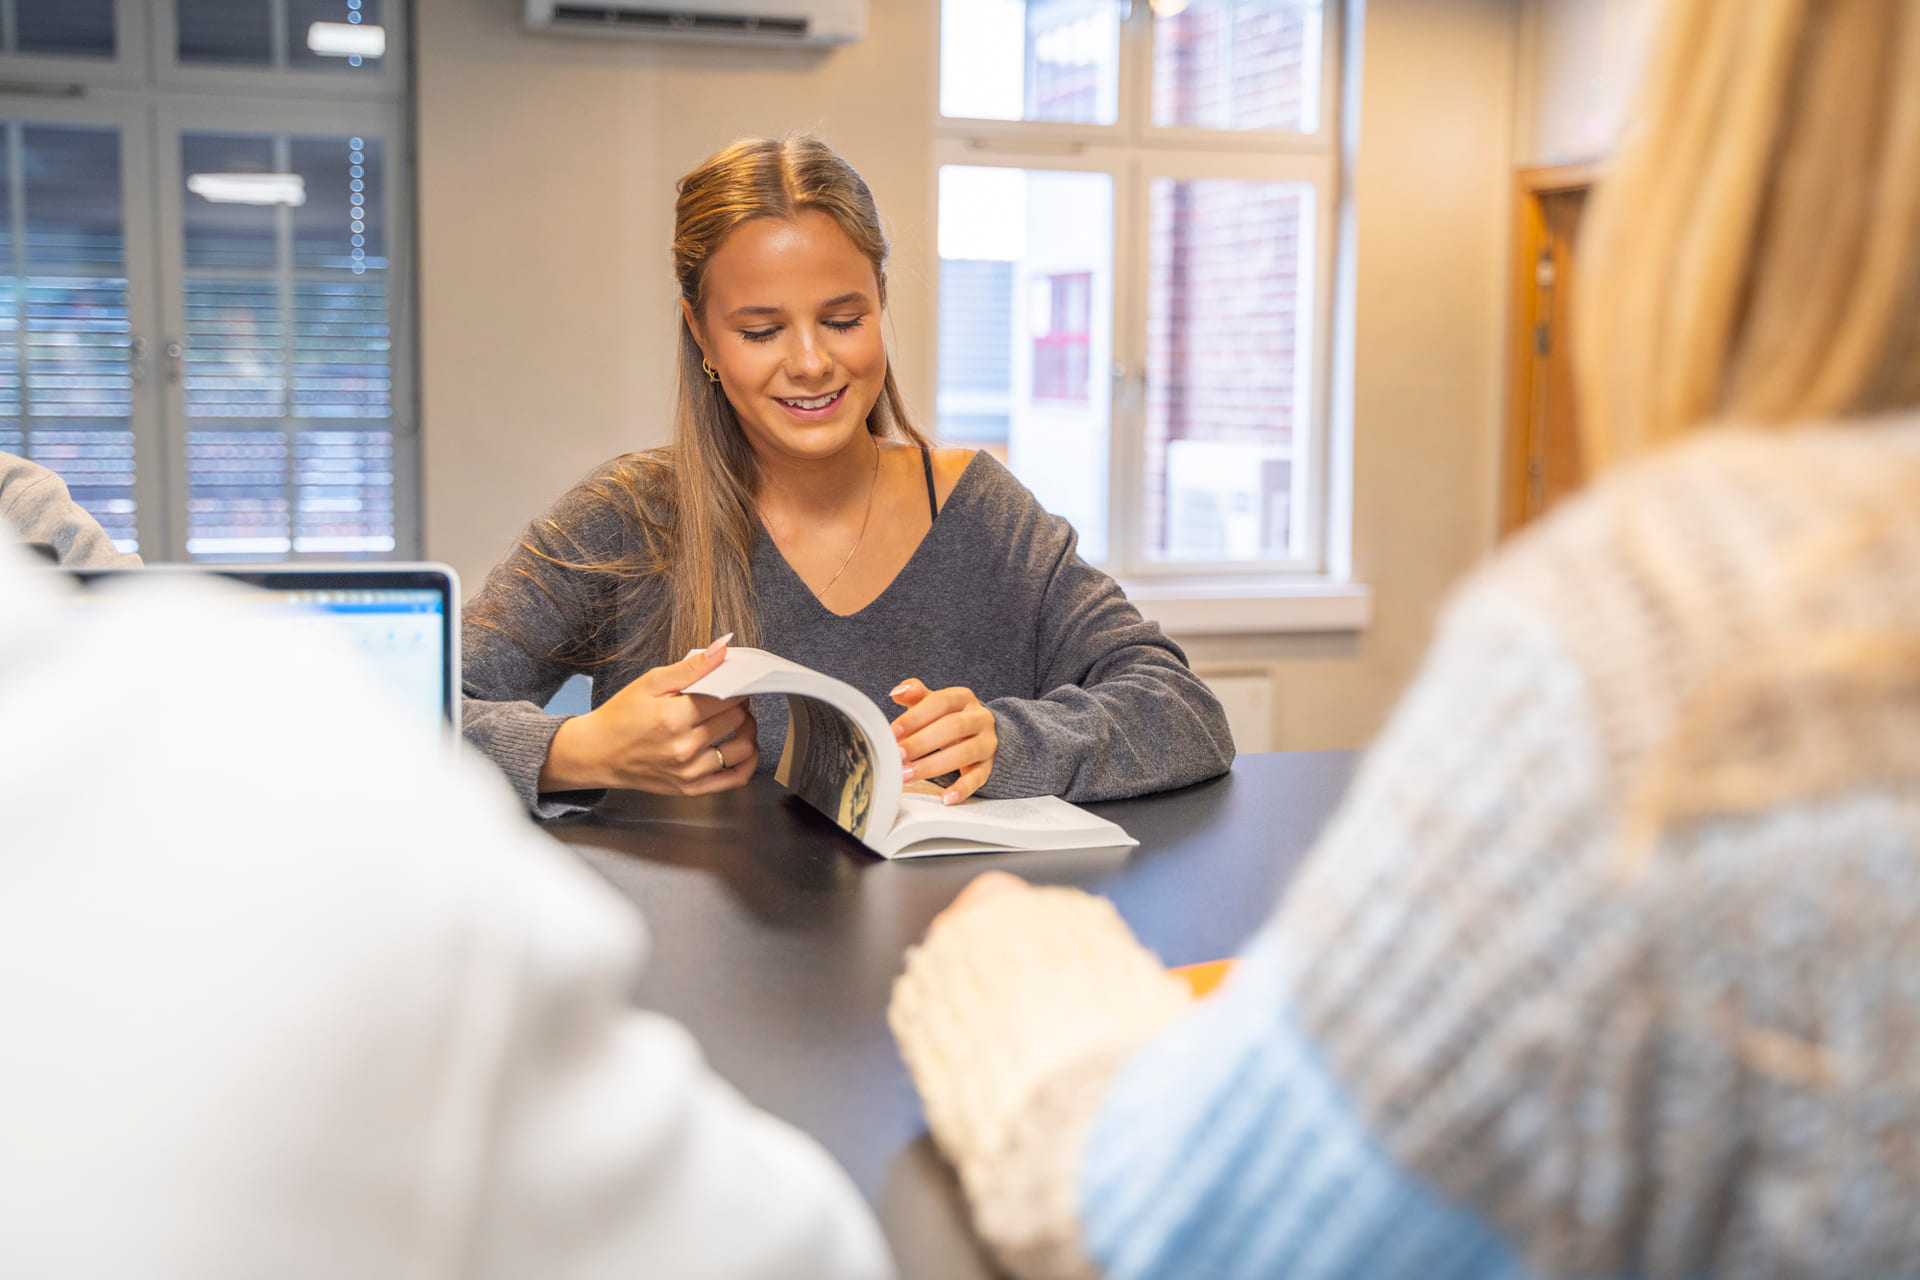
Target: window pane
{"points": [[64, 28], [226, 233], [237, 495], [1030, 60], [1026, 331], [342, 224], [323, 50], [65, 385], [13, 427], [1237, 64], [1229, 393], [226, 32], [349, 36], [289, 386]]}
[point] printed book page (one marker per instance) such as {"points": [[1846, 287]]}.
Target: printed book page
{"points": [[829, 763], [1035, 815], [926, 826], [840, 757]]}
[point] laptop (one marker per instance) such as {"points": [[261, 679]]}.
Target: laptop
{"points": [[402, 618]]}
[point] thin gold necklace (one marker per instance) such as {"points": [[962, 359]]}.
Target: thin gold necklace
{"points": [[872, 487]]}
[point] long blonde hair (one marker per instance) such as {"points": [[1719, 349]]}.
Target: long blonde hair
{"points": [[711, 548], [1754, 259], [691, 505], [1754, 252]]}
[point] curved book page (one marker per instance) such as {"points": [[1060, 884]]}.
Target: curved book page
{"points": [[840, 755]]}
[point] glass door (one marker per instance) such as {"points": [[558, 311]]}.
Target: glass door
{"points": [[76, 312], [282, 378]]}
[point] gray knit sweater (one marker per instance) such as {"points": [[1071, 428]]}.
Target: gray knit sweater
{"points": [[1090, 701], [35, 503]]}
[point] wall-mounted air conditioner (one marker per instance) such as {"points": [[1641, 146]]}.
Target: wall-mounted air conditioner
{"points": [[781, 23]]}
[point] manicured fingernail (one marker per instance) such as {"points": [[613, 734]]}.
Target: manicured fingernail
{"points": [[722, 640], [906, 774], [898, 689], [952, 797]]}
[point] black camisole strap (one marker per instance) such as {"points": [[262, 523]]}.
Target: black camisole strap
{"points": [[926, 465]]}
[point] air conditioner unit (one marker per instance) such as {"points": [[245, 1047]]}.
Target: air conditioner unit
{"points": [[777, 23]]}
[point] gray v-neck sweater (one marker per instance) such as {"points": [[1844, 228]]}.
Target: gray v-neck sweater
{"points": [[1090, 701]]}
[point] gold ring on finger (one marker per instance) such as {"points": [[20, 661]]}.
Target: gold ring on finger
{"points": [[720, 755]]}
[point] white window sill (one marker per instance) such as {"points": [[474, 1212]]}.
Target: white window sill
{"points": [[1251, 606]]}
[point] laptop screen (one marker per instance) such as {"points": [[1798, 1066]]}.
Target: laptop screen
{"points": [[402, 619]]}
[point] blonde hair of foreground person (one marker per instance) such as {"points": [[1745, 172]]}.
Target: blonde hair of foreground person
{"points": [[1754, 260], [1722, 278], [695, 509]]}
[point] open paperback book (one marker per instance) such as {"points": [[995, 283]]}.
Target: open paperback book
{"points": [[841, 758]]}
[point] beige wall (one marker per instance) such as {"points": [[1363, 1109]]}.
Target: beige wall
{"points": [[1579, 60], [546, 167]]}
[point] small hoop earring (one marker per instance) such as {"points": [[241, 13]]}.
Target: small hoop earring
{"points": [[713, 375]]}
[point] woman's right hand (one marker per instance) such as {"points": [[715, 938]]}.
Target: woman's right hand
{"points": [[652, 737]]}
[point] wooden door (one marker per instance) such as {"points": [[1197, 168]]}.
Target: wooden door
{"points": [[1541, 456]]}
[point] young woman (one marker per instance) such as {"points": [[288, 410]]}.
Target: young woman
{"points": [[799, 510], [1610, 964]]}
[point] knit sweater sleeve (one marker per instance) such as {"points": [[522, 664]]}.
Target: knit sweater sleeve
{"points": [[1011, 1018], [1118, 712], [1233, 1142], [522, 637], [36, 502]]}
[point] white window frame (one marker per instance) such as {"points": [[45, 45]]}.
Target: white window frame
{"points": [[61, 77], [151, 102], [1308, 591]]}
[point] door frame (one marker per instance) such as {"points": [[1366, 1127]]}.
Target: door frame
{"points": [[1517, 446]]}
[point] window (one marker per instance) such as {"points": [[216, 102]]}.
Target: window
{"points": [[1136, 225], [202, 326], [1060, 342]]}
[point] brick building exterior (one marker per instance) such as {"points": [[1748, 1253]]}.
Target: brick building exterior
{"points": [[1226, 331], [1228, 289]]}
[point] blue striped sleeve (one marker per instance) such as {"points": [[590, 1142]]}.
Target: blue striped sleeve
{"points": [[1227, 1149]]}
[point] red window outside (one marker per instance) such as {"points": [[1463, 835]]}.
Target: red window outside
{"points": [[1060, 355]]}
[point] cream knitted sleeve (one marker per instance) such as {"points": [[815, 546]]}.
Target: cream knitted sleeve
{"points": [[1012, 1018]]}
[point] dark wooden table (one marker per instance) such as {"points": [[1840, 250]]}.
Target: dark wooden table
{"points": [[777, 938]]}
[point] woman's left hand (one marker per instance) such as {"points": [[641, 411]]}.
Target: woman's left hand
{"points": [[944, 731]]}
